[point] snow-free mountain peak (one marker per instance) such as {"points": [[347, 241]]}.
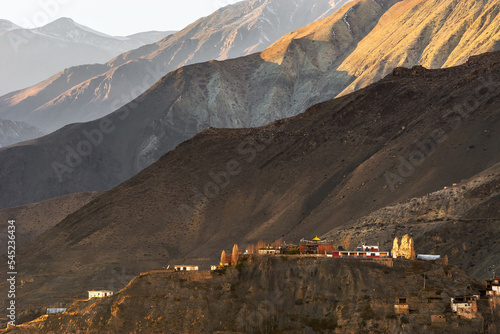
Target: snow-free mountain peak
{"points": [[31, 55], [65, 26]]}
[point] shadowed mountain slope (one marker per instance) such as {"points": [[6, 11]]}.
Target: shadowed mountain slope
{"points": [[34, 219], [408, 135]]}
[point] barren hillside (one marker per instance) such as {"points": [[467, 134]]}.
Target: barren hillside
{"points": [[300, 70], [34, 219]]}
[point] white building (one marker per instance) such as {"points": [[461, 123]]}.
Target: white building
{"points": [[367, 252], [186, 268], [426, 257], [267, 251], [100, 293], [366, 248], [56, 310], [465, 307], [493, 287]]}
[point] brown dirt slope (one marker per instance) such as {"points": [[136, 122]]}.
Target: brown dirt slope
{"points": [[279, 295], [294, 178], [34, 219]]}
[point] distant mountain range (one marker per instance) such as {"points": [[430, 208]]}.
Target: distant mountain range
{"points": [[300, 70], [233, 31], [6, 26], [31, 55]]}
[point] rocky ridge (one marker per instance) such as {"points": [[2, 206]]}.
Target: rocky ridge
{"points": [[460, 221], [285, 295], [303, 68]]}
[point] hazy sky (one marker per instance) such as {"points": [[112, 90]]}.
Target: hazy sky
{"points": [[114, 17]]}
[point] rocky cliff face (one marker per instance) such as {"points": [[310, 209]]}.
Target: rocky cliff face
{"points": [[284, 295], [460, 221], [433, 34], [404, 248]]}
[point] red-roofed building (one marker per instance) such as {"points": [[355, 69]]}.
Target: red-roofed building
{"points": [[316, 246]]}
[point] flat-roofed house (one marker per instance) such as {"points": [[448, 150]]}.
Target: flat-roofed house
{"points": [[402, 306], [493, 287], [54, 310], [268, 251], [365, 252], [186, 268], [465, 307], [100, 293]]}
